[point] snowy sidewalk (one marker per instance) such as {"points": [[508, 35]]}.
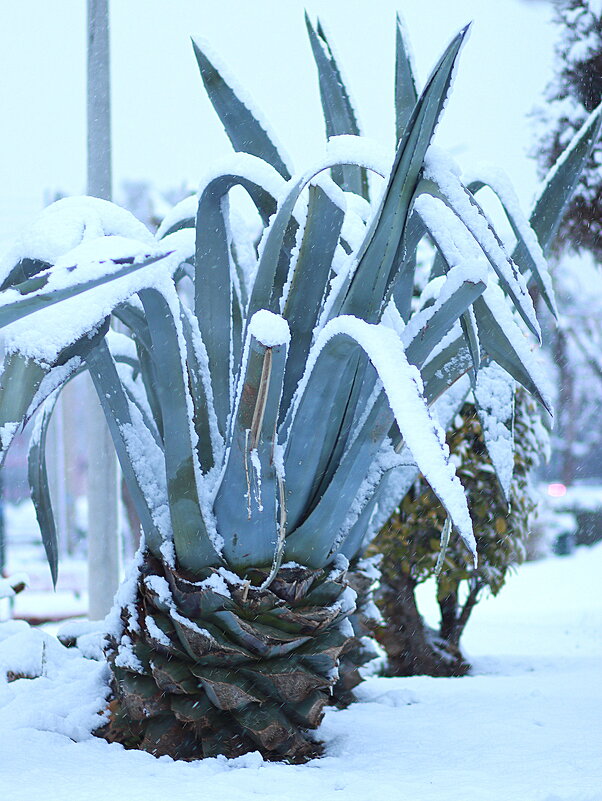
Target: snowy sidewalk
{"points": [[526, 727]]}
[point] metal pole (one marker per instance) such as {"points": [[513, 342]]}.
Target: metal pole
{"points": [[99, 101], [103, 519]]}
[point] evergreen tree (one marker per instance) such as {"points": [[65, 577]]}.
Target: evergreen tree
{"points": [[410, 541], [574, 92]]}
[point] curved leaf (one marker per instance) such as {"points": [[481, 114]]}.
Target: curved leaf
{"points": [[442, 184], [194, 548], [527, 254], [38, 483], [213, 280], [494, 393], [138, 472], [504, 341], [422, 435], [55, 285]]}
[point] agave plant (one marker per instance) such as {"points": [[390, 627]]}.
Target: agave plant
{"points": [[260, 396]]}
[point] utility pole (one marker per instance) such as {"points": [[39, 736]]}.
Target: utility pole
{"points": [[103, 498]]}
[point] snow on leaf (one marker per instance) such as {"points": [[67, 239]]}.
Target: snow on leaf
{"points": [[494, 393], [442, 171], [403, 386]]}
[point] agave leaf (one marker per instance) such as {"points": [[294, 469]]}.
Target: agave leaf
{"points": [[38, 483], [192, 542], [503, 340], [445, 368], [248, 498], [345, 485], [54, 285], [560, 183], [117, 410], [244, 131], [237, 328], [25, 384], [446, 186], [213, 282], [309, 283], [406, 94], [135, 392], [494, 393], [527, 253], [24, 269], [19, 383], [312, 541], [314, 424], [133, 317], [396, 482], [380, 257], [403, 284], [263, 295], [182, 215], [213, 298], [339, 115], [452, 253], [428, 327], [423, 436], [205, 421]]}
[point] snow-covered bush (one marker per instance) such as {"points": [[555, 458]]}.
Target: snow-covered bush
{"points": [[502, 520]]}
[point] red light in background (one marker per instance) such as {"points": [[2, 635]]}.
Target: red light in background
{"points": [[556, 490]]}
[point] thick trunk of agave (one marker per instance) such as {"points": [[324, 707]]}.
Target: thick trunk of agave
{"points": [[221, 666], [362, 648], [414, 649]]}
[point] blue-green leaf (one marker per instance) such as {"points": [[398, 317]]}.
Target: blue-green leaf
{"points": [[527, 254], [213, 280], [503, 340], [244, 131], [307, 543], [339, 115], [117, 411], [194, 548], [247, 503], [40, 490], [381, 254], [406, 94], [561, 182], [309, 283], [39, 292]]}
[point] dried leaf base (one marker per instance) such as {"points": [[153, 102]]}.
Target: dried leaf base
{"points": [[219, 666]]}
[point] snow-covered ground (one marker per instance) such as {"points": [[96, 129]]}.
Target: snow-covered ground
{"points": [[527, 726]]}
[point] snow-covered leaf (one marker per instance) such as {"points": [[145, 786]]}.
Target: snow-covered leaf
{"points": [[494, 395]]}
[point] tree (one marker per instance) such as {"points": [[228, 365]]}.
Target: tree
{"points": [[573, 94], [409, 543]]}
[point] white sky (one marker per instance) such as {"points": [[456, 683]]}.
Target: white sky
{"points": [[164, 129]]}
